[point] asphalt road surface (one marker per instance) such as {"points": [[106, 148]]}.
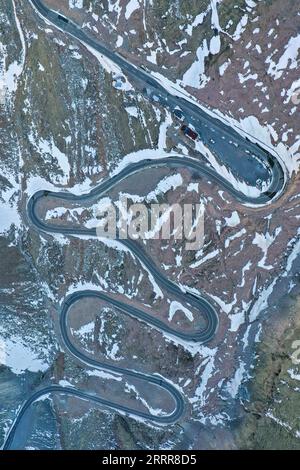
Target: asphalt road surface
{"points": [[248, 161]]}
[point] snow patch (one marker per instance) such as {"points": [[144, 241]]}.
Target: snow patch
{"points": [[75, 4], [177, 306], [131, 6]]}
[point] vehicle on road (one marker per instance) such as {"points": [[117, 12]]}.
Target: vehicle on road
{"points": [[189, 132], [179, 114], [62, 18]]}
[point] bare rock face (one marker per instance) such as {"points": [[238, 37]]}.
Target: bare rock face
{"points": [[68, 120], [268, 420]]}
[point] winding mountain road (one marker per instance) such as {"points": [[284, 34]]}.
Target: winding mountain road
{"points": [[248, 160], [250, 163]]}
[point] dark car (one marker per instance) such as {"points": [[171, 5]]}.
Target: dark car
{"points": [[179, 114], [62, 18], [189, 132]]}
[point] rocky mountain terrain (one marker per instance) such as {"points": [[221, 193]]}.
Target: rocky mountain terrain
{"points": [[65, 124]]}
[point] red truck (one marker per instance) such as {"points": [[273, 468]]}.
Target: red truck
{"points": [[189, 132]]}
